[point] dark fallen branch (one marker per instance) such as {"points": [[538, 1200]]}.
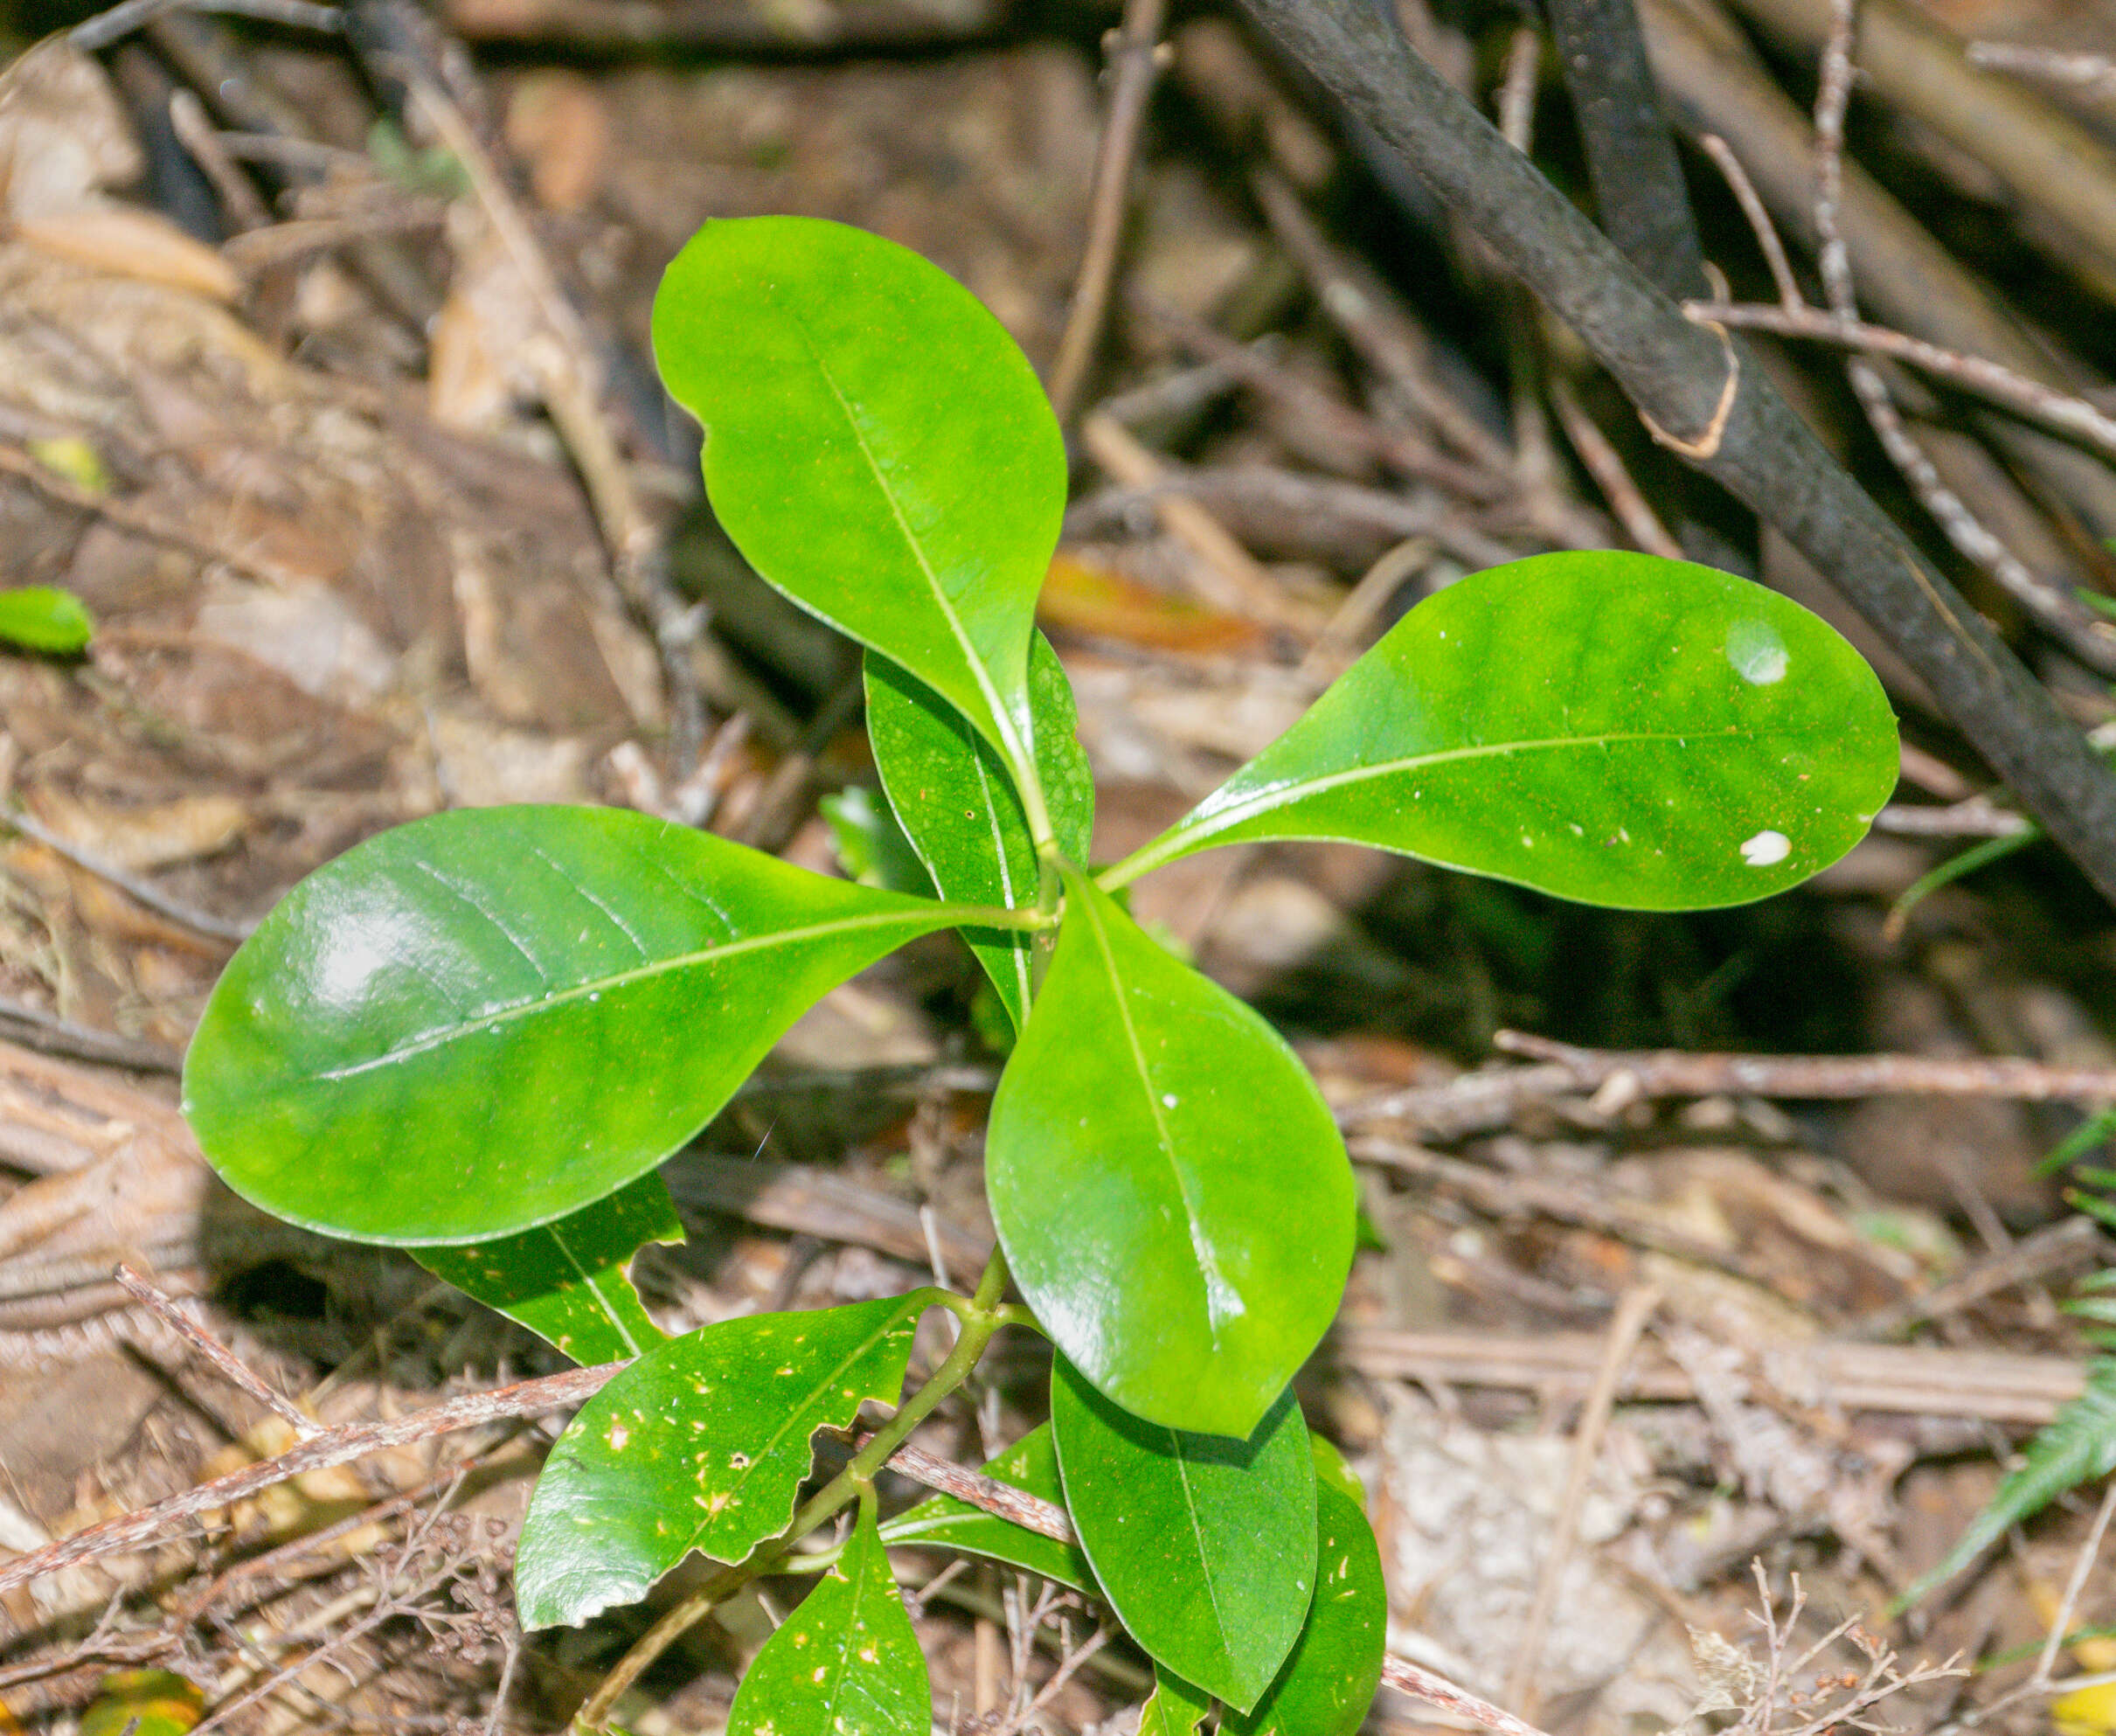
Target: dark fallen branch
{"points": [[1730, 423], [1631, 153], [1715, 83]]}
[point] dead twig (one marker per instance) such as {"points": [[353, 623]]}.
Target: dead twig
{"points": [[1228, 576], [571, 383], [231, 1366], [1606, 465], [1977, 817], [1068, 1666], [2086, 636], [1631, 1313], [50, 1035], [120, 21], [2094, 71], [1135, 58], [1773, 1689], [1381, 332], [568, 1391], [1504, 1195], [239, 196], [1674, 1072], [140, 892], [153, 1524], [280, 244], [2083, 1565], [1407, 1677], [1031, 1512], [1406, 453], [1751, 206], [1901, 1380], [140, 522], [2065, 412], [2048, 1253]]}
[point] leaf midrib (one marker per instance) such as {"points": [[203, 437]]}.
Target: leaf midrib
{"points": [[1018, 949], [1204, 1556], [593, 1282], [442, 1035], [1209, 1266], [1207, 821], [1001, 719]]}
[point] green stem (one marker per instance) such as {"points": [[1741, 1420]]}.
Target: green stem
{"points": [[1022, 918], [1016, 1314], [982, 1317], [1050, 889], [1154, 853], [1042, 834]]}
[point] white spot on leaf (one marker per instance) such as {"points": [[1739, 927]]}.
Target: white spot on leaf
{"points": [[1757, 653], [1765, 849]]}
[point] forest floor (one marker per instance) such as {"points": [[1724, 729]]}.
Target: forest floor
{"points": [[340, 422]]}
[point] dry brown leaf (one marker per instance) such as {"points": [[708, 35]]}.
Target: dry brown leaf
{"points": [[486, 348], [148, 835], [558, 124], [63, 133], [1080, 596], [126, 242]]}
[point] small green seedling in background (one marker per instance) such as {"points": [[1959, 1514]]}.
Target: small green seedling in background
{"points": [[478, 1035], [38, 618]]}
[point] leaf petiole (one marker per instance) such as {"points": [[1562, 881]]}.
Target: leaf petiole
{"points": [[1023, 919]]}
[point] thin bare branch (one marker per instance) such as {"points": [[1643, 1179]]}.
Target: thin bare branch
{"points": [[231, 1366], [1135, 56], [1751, 206], [1407, 1677], [157, 1523], [1633, 1311], [2001, 386]]}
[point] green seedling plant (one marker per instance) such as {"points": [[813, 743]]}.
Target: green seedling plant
{"points": [[476, 1036]]}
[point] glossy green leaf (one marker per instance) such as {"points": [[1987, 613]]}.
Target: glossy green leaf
{"points": [[486, 1020], [1171, 1189], [1332, 1472], [869, 844], [1326, 1685], [1174, 1708], [876, 445], [846, 1663], [1608, 727], [39, 618], [566, 1281], [959, 807], [941, 1521], [701, 1444], [1203, 1545]]}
